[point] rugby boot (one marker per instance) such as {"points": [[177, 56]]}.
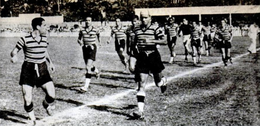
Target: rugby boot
{"points": [[230, 60], [163, 84], [83, 89], [138, 115], [49, 107]]}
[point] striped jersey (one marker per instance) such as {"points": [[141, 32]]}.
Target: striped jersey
{"points": [[195, 32], [88, 35], [34, 51], [119, 31], [151, 32], [171, 30], [225, 32]]}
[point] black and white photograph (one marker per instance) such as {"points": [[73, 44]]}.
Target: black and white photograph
{"points": [[129, 63]]}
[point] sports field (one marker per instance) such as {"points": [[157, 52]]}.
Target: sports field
{"points": [[207, 94]]}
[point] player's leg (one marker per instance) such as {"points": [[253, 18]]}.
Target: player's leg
{"points": [[206, 46], [160, 81], [49, 90], [198, 48], [185, 47], [141, 94], [186, 52], [228, 50], [120, 51], [156, 68], [88, 74], [188, 45], [223, 53], [89, 54], [132, 63], [170, 46], [194, 52], [174, 39], [28, 104]]}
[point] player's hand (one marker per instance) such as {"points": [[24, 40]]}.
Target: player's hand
{"points": [[91, 47], [14, 59], [52, 68], [80, 42]]}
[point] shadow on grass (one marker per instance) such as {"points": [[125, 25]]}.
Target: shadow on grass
{"points": [[79, 68], [117, 77], [110, 85], [77, 103], [11, 115], [174, 62], [189, 64], [115, 110], [115, 72], [73, 87]]}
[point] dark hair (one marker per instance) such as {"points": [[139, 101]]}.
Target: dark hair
{"points": [[37, 21], [136, 17]]}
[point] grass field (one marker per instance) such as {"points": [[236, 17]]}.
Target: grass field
{"points": [[208, 94]]}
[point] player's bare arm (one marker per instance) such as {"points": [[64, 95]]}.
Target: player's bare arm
{"points": [[80, 39], [98, 38], [13, 54], [48, 59]]}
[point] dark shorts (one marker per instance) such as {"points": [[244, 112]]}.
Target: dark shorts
{"points": [[29, 74], [173, 41], [89, 52], [196, 43], [148, 63], [225, 44], [207, 38], [120, 44]]}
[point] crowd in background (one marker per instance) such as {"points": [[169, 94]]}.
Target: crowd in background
{"points": [[75, 27]]}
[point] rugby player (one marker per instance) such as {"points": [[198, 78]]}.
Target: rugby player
{"points": [[201, 26], [120, 41], [147, 38], [196, 43], [185, 28], [131, 46], [213, 39], [171, 31], [34, 69], [225, 37], [207, 39], [253, 31], [88, 36]]}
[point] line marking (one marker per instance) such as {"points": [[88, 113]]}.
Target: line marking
{"points": [[58, 117]]}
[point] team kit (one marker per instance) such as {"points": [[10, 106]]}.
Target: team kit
{"points": [[137, 47]]}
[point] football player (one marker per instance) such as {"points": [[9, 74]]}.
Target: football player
{"points": [[88, 37], [34, 69]]}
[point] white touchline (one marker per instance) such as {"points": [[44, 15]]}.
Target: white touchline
{"points": [[56, 118]]}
